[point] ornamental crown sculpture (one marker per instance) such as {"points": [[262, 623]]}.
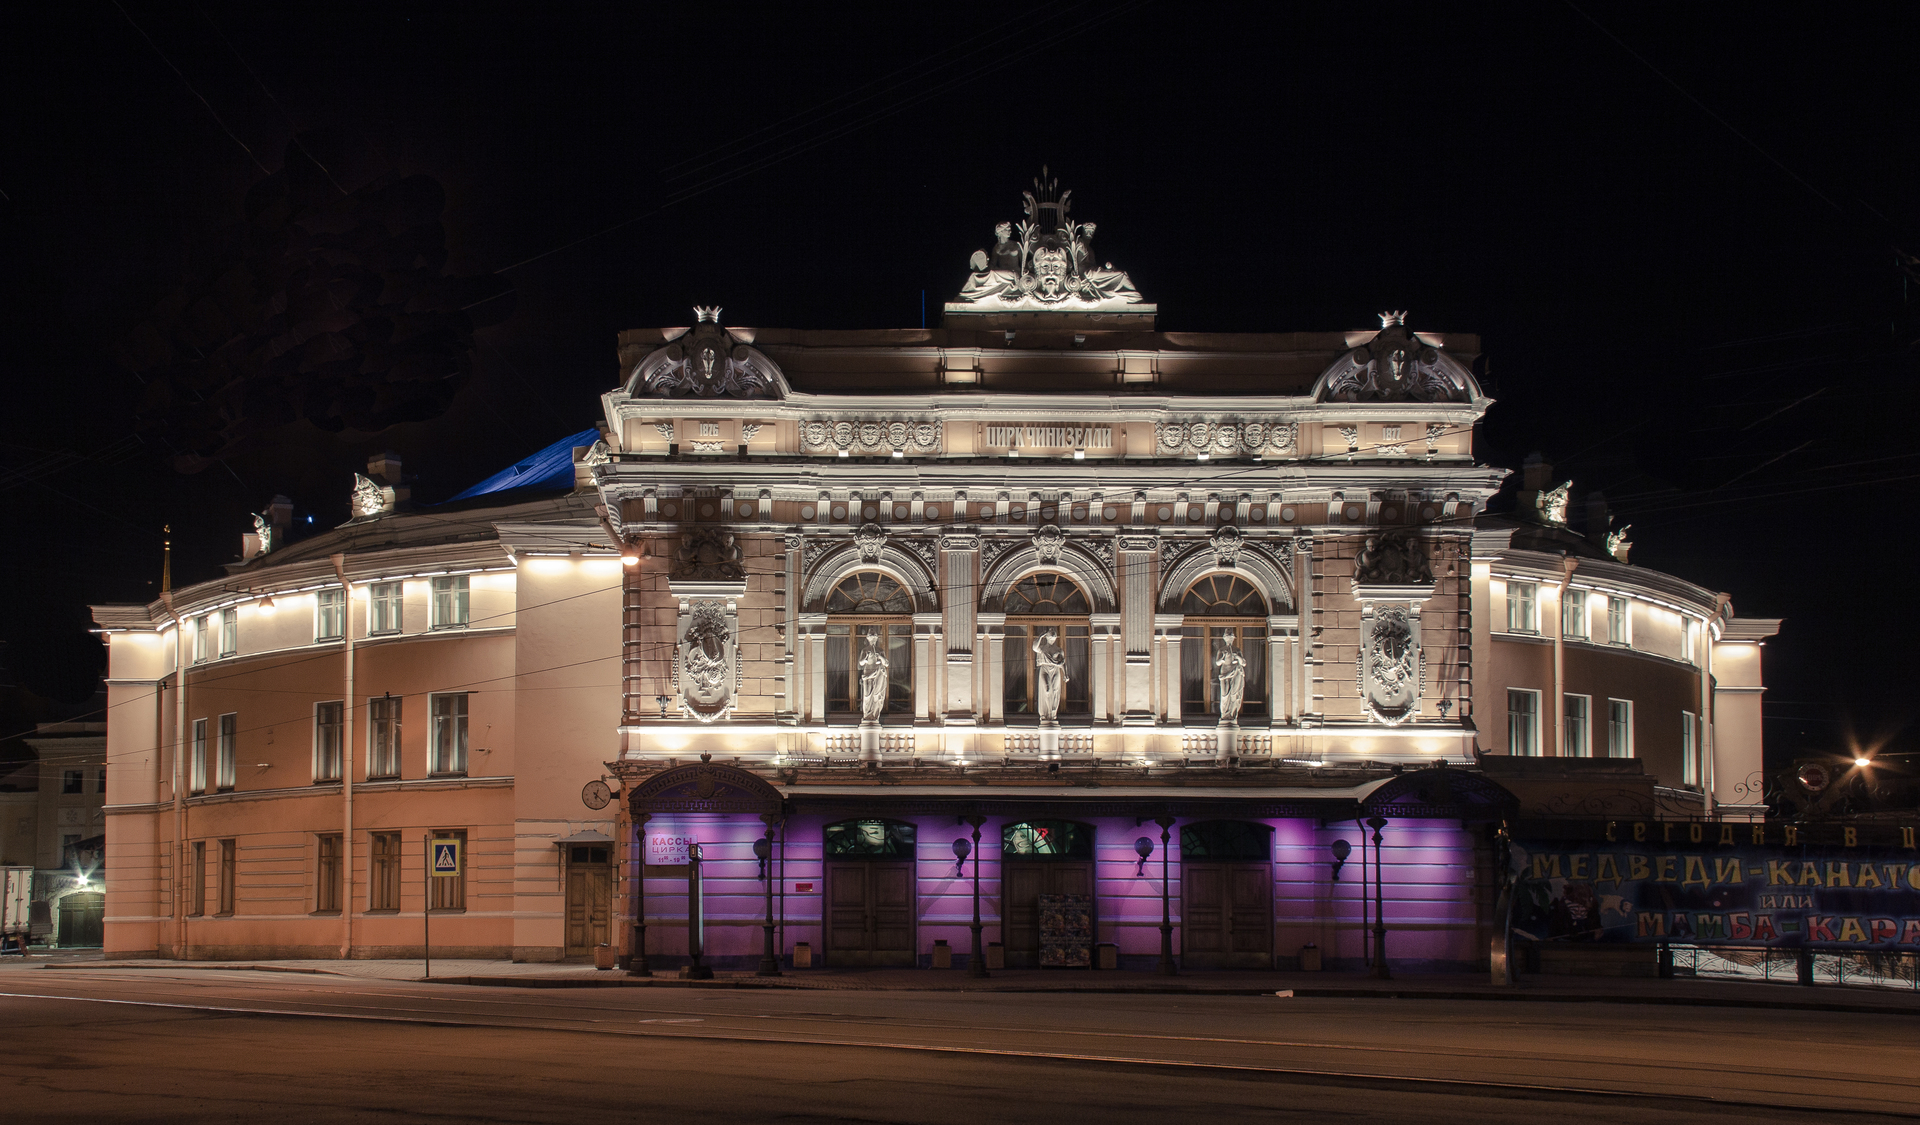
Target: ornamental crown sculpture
{"points": [[1045, 262]]}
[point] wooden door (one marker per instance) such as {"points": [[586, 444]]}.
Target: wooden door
{"points": [[1226, 915], [80, 920], [1022, 883], [589, 907], [870, 913]]}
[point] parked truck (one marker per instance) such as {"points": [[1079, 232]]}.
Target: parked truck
{"points": [[16, 913]]}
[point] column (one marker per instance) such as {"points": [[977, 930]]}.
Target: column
{"points": [[1138, 556], [959, 601]]}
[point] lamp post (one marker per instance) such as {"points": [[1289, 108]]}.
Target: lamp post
{"points": [[637, 963], [977, 957], [763, 850], [1379, 907], [1166, 901], [696, 918]]}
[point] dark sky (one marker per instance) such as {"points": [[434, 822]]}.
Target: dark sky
{"points": [[1667, 240]]}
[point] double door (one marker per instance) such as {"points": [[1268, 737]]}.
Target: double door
{"points": [[1023, 881], [1226, 915], [589, 905], [870, 913]]}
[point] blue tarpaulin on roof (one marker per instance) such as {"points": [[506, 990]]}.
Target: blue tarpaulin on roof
{"points": [[552, 467]]}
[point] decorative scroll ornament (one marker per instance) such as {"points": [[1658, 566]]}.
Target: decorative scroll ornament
{"points": [[599, 454], [1227, 543], [1395, 367], [1352, 436], [1045, 262], [707, 554], [749, 431], [707, 658], [1435, 431], [1618, 545], [870, 540], [1390, 668], [1048, 541], [705, 363], [1396, 558], [991, 549], [369, 499]]}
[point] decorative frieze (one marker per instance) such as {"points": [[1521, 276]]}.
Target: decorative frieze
{"points": [[1258, 438], [870, 436]]}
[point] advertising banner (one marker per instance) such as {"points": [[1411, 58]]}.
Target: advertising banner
{"points": [[1720, 884]]}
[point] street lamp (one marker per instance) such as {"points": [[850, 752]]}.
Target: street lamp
{"points": [[763, 850], [637, 964], [1166, 902], [1142, 847], [1379, 906], [976, 957]]}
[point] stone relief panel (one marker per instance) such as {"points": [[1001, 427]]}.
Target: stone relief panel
{"points": [[1391, 670], [1259, 438], [870, 436], [706, 660], [1393, 558], [707, 554]]}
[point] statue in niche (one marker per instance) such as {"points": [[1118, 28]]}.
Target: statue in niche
{"points": [[873, 669], [1230, 671], [1050, 674]]}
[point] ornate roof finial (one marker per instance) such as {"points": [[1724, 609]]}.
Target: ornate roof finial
{"points": [[707, 312], [166, 558], [1390, 319]]}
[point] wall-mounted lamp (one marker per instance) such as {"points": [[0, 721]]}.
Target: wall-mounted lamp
{"points": [[843, 453], [762, 851], [1142, 847], [266, 603], [961, 849], [898, 454], [1079, 455], [630, 553], [1341, 850]]}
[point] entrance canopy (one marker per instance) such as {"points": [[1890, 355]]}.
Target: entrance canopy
{"points": [[705, 787]]}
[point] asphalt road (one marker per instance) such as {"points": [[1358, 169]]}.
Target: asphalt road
{"points": [[187, 1045]]}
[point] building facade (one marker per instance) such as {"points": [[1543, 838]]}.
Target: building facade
{"points": [[1133, 628]]}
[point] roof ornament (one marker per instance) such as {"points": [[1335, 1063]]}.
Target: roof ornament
{"points": [[1390, 319], [1395, 366], [1552, 504], [1618, 545], [1045, 262], [369, 499], [704, 313]]}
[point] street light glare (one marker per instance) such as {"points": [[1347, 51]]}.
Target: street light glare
{"points": [[1863, 762]]}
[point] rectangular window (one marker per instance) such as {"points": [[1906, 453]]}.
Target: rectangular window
{"points": [[383, 737], [383, 608], [202, 639], [1689, 750], [1619, 728], [73, 781], [101, 780], [330, 615], [1573, 614], [1521, 617], [326, 741], [450, 891], [70, 856], [224, 751], [197, 892], [1617, 633], [1687, 634], [450, 602], [229, 631], [197, 765], [383, 888], [1579, 743], [226, 876], [449, 753], [327, 887], [1523, 723]]}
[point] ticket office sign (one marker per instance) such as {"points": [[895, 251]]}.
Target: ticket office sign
{"points": [[1864, 898], [669, 847]]}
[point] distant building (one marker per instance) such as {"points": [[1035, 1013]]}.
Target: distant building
{"points": [[52, 818], [1164, 617]]}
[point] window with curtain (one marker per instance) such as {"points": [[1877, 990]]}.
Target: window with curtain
{"points": [[1222, 609], [1523, 723], [863, 606], [449, 751], [197, 764], [383, 736], [328, 720], [223, 760], [1037, 606]]}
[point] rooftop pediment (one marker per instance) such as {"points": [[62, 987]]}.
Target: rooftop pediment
{"points": [[706, 361], [1045, 264], [1396, 365]]}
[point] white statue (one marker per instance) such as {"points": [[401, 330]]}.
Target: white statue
{"points": [[1552, 504], [1230, 669], [1618, 545], [368, 497], [873, 679], [1050, 674]]}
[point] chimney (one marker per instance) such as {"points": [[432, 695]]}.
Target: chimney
{"points": [[384, 468], [1536, 473], [1599, 518], [279, 513]]}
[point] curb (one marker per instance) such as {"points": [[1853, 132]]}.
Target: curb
{"points": [[217, 968]]}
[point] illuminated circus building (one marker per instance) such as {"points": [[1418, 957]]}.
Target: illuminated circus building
{"points": [[1203, 642]]}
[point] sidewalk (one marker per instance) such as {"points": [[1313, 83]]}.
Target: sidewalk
{"points": [[1410, 986]]}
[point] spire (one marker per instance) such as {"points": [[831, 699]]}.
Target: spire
{"points": [[166, 558]]}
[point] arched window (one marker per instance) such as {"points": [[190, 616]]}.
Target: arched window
{"points": [[1039, 607], [869, 612], [1047, 839], [1229, 841], [1223, 611], [869, 839]]}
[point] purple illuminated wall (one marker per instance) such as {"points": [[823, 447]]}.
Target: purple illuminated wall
{"points": [[1428, 869]]}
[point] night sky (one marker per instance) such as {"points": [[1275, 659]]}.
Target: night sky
{"points": [[1681, 235]]}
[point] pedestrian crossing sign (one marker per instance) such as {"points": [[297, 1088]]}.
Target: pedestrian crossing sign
{"points": [[444, 859]]}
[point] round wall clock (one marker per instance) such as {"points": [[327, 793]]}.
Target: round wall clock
{"points": [[596, 795]]}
